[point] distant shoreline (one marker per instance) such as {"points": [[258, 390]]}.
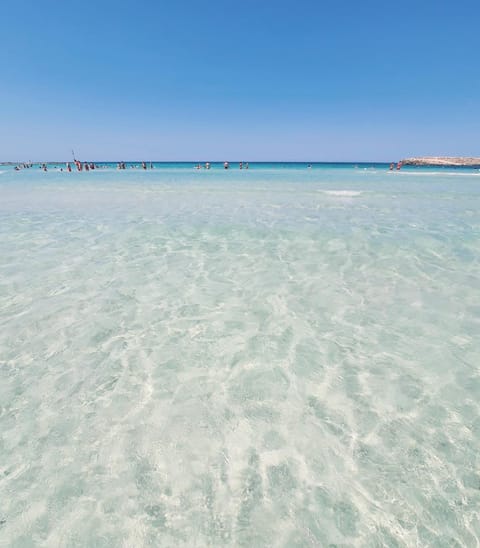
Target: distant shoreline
{"points": [[299, 162], [424, 161], [442, 161]]}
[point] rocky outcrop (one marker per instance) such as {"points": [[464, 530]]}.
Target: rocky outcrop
{"points": [[442, 161]]}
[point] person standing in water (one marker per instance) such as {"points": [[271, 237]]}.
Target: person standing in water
{"points": [[226, 165]]}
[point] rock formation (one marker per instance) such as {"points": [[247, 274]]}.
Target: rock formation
{"points": [[442, 161]]}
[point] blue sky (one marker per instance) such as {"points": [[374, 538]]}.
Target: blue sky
{"points": [[213, 80]]}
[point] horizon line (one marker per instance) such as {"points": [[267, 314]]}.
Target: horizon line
{"points": [[10, 162]]}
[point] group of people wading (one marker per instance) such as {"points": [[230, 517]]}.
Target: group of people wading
{"points": [[91, 166], [81, 166], [87, 166], [122, 165]]}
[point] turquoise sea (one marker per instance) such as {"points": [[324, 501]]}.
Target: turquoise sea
{"points": [[272, 357]]}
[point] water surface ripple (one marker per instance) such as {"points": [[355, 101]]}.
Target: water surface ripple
{"points": [[257, 358]]}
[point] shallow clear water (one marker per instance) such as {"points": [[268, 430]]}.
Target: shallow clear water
{"points": [[272, 357]]}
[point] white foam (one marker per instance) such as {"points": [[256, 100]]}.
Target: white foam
{"points": [[345, 193]]}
